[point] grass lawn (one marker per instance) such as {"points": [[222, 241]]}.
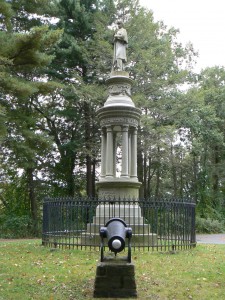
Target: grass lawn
{"points": [[30, 271]]}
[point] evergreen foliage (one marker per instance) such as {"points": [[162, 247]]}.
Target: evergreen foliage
{"points": [[24, 55], [54, 58]]}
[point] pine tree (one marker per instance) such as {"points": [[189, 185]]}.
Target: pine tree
{"points": [[79, 63], [24, 54]]}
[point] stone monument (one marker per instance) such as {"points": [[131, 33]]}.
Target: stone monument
{"points": [[119, 121]]}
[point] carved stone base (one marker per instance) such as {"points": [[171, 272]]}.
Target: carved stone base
{"points": [[118, 188], [119, 90]]}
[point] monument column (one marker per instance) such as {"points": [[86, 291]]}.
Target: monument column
{"points": [[133, 171], [114, 153], [103, 153], [109, 152], [125, 152], [130, 151]]}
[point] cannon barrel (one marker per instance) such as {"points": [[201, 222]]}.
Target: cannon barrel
{"points": [[116, 232]]}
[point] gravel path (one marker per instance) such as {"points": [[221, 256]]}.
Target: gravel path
{"points": [[210, 238]]}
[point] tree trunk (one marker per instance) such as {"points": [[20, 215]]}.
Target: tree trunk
{"points": [[195, 179], [157, 175], [145, 175], [89, 176], [149, 178], [89, 179], [32, 200], [140, 164], [181, 182], [93, 177], [70, 179], [174, 171], [215, 179]]}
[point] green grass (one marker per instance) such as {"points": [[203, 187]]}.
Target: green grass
{"points": [[30, 271]]}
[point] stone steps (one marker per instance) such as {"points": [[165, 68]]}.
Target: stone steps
{"points": [[130, 214], [127, 219], [142, 240], [136, 228]]}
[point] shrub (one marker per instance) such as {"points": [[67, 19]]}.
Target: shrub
{"points": [[13, 226], [209, 225]]}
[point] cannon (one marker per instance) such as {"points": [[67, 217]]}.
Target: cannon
{"points": [[116, 232]]}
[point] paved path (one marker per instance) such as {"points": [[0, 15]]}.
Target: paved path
{"points": [[210, 238]]}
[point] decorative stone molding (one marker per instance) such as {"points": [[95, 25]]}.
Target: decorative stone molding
{"points": [[119, 121], [119, 74], [118, 113]]}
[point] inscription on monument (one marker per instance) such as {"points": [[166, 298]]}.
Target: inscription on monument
{"points": [[108, 193]]}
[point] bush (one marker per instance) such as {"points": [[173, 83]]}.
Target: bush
{"points": [[209, 225], [13, 226]]}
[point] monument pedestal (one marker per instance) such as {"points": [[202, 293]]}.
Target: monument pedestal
{"points": [[115, 278], [130, 212], [118, 189]]}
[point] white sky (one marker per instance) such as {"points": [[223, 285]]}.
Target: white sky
{"points": [[201, 22]]}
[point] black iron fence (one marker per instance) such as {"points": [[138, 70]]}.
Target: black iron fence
{"points": [[160, 224]]}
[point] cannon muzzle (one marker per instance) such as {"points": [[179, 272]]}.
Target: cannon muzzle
{"points": [[116, 232]]}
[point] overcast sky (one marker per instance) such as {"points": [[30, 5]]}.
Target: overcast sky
{"points": [[200, 22]]}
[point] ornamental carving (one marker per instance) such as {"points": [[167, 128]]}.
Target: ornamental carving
{"points": [[119, 121], [119, 89]]}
